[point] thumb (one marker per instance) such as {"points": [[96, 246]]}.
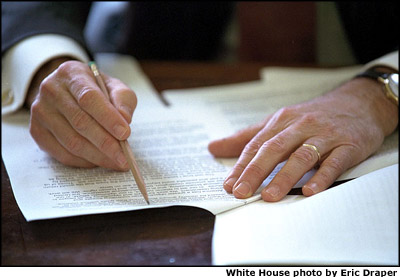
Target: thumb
{"points": [[233, 145], [122, 97]]}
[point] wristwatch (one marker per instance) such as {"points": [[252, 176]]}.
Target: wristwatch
{"points": [[390, 81]]}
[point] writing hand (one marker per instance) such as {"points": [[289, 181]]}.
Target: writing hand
{"points": [[72, 120], [346, 126]]}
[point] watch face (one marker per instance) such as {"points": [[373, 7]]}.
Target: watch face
{"points": [[394, 83]]}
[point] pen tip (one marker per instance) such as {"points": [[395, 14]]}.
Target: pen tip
{"points": [[148, 202]]}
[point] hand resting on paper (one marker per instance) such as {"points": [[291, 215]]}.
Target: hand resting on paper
{"points": [[73, 121], [345, 125]]}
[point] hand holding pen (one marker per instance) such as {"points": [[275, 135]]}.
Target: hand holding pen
{"points": [[74, 122]]}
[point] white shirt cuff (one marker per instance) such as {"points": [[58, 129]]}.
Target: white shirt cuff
{"points": [[20, 63], [389, 60]]}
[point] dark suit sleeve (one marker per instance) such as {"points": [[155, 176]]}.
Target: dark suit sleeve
{"points": [[20, 20]]}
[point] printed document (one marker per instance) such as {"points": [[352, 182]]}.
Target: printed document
{"points": [[171, 151]]}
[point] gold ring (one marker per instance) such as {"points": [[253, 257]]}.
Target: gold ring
{"points": [[313, 147]]}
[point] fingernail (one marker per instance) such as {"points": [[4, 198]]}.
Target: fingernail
{"points": [[127, 112], [125, 109], [121, 159], [273, 191], [228, 184], [313, 187], [120, 131], [243, 189]]}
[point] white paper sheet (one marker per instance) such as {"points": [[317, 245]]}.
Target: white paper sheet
{"points": [[171, 150], [242, 104], [315, 78], [354, 223]]}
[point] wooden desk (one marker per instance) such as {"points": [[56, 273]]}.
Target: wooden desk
{"points": [[167, 236]]}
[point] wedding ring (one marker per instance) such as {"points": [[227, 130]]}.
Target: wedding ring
{"points": [[313, 147]]}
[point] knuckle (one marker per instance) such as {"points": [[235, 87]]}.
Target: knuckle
{"points": [[80, 121], [122, 92], [276, 145], [305, 156], [106, 118], [284, 113], [47, 88], [334, 165], [309, 119], [255, 170], [332, 129], [129, 94], [362, 137], [106, 143], [86, 96], [128, 99], [38, 111], [36, 108], [251, 149], [74, 144], [66, 67], [324, 177]]}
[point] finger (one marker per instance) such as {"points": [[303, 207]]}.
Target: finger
{"points": [[86, 126], [122, 97], [299, 163], [331, 168], [272, 152], [273, 124], [248, 153], [73, 142], [80, 82], [47, 142], [233, 145]]}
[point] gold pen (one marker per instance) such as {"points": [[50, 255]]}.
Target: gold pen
{"points": [[124, 144]]}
